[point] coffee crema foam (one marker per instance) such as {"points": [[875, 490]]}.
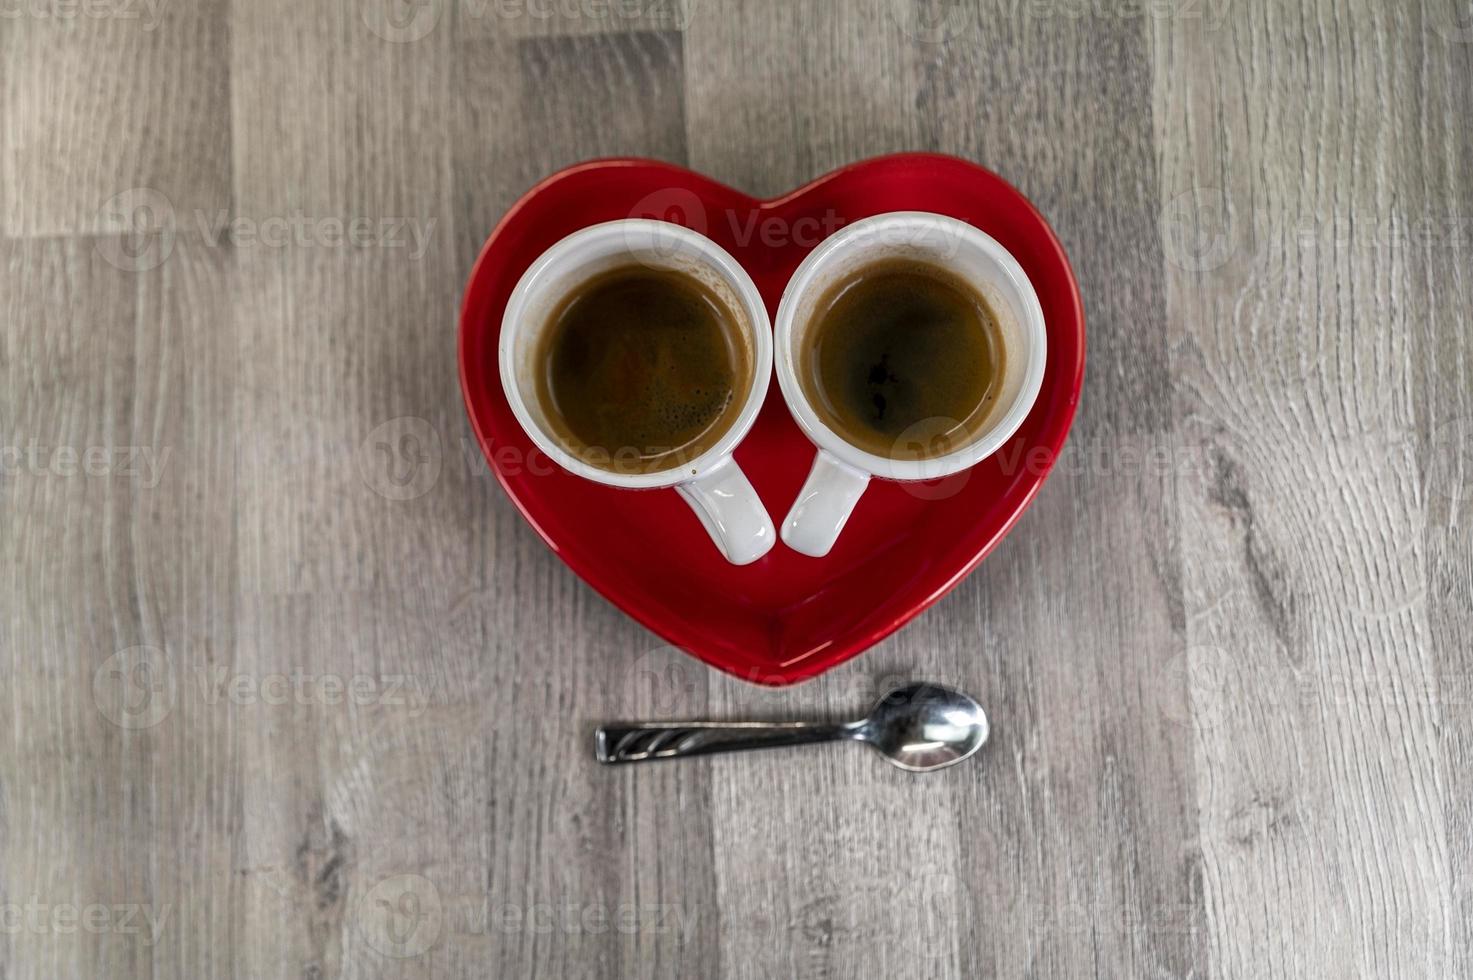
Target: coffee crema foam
{"points": [[903, 359], [641, 370]]}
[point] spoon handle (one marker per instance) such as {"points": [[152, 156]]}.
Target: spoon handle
{"points": [[642, 743]]}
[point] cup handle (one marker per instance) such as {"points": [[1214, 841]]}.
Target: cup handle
{"points": [[823, 505], [731, 512]]}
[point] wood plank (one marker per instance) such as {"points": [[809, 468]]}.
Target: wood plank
{"points": [[532, 858], [813, 881], [69, 326], [1442, 378], [777, 95], [1081, 606], [1294, 320], [122, 581]]}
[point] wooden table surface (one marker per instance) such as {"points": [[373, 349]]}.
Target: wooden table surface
{"points": [[284, 704]]}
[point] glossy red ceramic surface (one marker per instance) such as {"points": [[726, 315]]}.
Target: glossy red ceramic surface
{"points": [[786, 617]]}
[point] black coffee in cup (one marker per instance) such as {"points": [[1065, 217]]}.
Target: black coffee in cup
{"points": [[642, 369], [903, 360]]}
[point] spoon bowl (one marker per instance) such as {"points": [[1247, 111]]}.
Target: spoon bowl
{"points": [[921, 727]]}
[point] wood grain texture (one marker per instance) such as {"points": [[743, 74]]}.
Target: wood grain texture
{"points": [[1295, 320], [1085, 609], [1443, 430], [148, 79], [766, 80], [121, 547], [294, 691]]}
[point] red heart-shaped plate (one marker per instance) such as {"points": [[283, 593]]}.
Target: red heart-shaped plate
{"points": [[786, 617]]}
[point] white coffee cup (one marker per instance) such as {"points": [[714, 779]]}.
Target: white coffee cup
{"points": [[842, 471], [710, 482]]}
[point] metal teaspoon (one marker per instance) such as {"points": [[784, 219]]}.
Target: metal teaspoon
{"points": [[919, 727]]}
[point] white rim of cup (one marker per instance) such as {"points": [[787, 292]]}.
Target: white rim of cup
{"points": [[881, 466], [652, 237]]}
